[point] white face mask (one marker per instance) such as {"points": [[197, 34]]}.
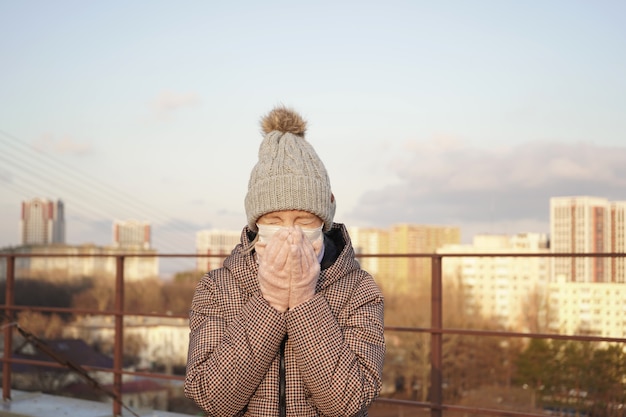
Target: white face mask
{"points": [[266, 231]]}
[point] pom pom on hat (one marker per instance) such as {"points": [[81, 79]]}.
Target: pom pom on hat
{"points": [[288, 175], [283, 120]]}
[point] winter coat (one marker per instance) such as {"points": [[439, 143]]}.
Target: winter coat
{"points": [[334, 343]]}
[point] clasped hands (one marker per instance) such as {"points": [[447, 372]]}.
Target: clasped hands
{"points": [[288, 268]]}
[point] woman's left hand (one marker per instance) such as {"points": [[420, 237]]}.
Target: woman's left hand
{"points": [[305, 268]]}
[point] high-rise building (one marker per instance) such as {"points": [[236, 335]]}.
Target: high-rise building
{"points": [[617, 241], [42, 222], [131, 234], [214, 242], [590, 225]]}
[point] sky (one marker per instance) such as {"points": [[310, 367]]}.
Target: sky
{"points": [[456, 113]]}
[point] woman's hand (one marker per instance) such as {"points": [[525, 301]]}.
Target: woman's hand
{"points": [[274, 272], [304, 266]]}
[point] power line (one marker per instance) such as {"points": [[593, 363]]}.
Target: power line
{"points": [[37, 172], [86, 182]]}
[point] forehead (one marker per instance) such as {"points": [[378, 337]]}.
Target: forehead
{"points": [[289, 214]]}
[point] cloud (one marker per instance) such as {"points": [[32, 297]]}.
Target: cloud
{"points": [[168, 102], [65, 146], [442, 182]]}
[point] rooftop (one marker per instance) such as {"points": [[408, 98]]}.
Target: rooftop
{"points": [[31, 404]]}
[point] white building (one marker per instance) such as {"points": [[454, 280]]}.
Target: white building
{"points": [[512, 290], [588, 308], [131, 234], [42, 222], [214, 242], [587, 225], [164, 341]]}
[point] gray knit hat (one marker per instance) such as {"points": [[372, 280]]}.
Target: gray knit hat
{"points": [[289, 174]]}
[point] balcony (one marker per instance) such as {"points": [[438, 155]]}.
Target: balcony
{"points": [[418, 380]]}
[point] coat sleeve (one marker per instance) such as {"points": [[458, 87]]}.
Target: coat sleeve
{"points": [[227, 360], [341, 359]]}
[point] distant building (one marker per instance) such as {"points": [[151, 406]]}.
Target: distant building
{"points": [[402, 274], [510, 290], [368, 241], [585, 224], [214, 242], [131, 234], [588, 308], [69, 262], [164, 340], [42, 222]]}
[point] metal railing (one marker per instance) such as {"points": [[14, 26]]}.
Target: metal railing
{"points": [[436, 330]]}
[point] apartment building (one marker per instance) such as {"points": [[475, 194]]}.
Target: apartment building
{"points": [[402, 274], [214, 242], [42, 222], [131, 234], [512, 290], [588, 308], [368, 241], [586, 224]]}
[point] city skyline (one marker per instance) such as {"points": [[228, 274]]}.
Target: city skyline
{"points": [[463, 114], [140, 232]]}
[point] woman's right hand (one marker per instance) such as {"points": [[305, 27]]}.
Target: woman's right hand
{"points": [[274, 273]]}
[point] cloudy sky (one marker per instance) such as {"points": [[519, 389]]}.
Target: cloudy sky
{"points": [[463, 113]]}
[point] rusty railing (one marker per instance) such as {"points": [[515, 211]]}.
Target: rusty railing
{"points": [[436, 329]]}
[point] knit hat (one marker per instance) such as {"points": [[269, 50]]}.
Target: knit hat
{"points": [[289, 175]]}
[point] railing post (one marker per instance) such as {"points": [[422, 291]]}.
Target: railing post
{"points": [[9, 295], [118, 351], [436, 396]]}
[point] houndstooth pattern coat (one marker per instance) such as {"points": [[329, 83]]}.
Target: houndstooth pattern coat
{"points": [[334, 350]]}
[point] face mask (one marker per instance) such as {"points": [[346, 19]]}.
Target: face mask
{"points": [[266, 232]]}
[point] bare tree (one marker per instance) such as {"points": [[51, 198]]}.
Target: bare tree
{"points": [[41, 325], [536, 311], [99, 295]]}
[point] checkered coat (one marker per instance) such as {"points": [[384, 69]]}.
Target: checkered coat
{"points": [[334, 350]]}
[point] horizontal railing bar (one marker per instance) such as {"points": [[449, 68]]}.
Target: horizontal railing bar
{"points": [[494, 255], [490, 411], [108, 255], [360, 255], [503, 333], [409, 403], [50, 364], [456, 408], [19, 307]]}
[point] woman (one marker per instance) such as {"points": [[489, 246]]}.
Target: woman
{"points": [[290, 325]]}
